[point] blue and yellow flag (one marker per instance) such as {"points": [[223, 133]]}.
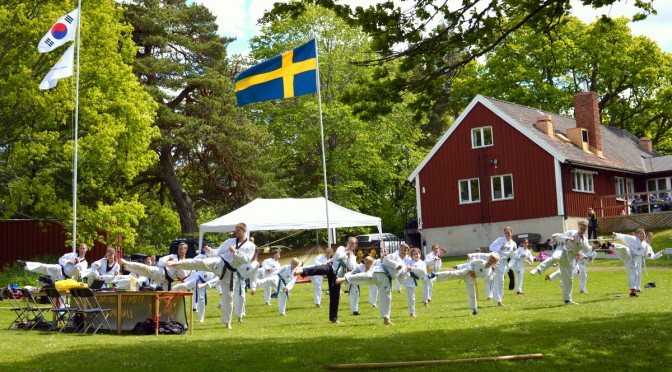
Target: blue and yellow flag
{"points": [[288, 75]]}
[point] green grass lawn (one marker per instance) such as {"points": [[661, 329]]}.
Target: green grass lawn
{"points": [[607, 331]]}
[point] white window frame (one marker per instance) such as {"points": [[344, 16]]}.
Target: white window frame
{"points": [[624, 186], [468, 181], [480, 132], [501, 178], [583, 181], [658, 191]]}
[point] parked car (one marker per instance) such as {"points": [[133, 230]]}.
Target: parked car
{"points": [[391, 241], [273, 248]]}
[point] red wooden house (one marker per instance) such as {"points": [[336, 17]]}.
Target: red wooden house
{"points": [[501, 164]]}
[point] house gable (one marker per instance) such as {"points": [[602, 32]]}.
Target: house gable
{"points": [[512, 160], [479, 99]]}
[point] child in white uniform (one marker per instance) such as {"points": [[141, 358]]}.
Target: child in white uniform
{"points": [[433, 263], [417, 270], [477, 269], [505, 247], [521, 256], [269, 266], [354, 289], [381, 275], [317, 279], [283, 281]]}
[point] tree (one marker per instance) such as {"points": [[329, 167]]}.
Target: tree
{"points": [[36, 143], [465, 32], [630, 74], [367, 161], [210, 156]]}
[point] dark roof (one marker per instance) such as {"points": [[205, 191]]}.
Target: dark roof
{"points": [[620, 148]]}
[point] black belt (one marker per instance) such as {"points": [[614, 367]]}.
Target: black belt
{"points": [[63, 272], [168, 278], [227, 266]]}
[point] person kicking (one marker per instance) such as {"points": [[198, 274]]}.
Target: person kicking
{"points": [[381, 274]]}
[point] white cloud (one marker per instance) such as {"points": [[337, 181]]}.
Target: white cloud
{"points": [[238, 18]]}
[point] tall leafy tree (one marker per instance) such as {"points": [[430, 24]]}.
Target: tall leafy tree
{"points": [[36, 143], [630, 74], [466, 31], [209, 154]]}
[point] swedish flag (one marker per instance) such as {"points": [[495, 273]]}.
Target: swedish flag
{"points": [[290, 74]]}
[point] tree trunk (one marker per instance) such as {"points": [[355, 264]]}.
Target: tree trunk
{"points": [[182, 200]]}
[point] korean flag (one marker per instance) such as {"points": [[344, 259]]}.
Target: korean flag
{"points": [[61, 32]]}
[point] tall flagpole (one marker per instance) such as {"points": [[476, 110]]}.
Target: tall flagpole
{"points": [[76, 132], [324, 159]]}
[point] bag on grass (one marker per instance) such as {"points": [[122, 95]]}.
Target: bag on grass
{"points": [[541, 257], [144, 328], [171, 328], [78, 320]]}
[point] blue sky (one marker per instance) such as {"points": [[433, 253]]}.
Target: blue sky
{"points": [[238, 18]]}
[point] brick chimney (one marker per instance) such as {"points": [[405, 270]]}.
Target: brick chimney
{"points": [[587, 115], [545, 124], [645, 143]]}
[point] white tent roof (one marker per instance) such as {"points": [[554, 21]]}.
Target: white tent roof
{"points": [[289, 214]]}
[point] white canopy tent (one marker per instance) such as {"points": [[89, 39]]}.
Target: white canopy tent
{"points": [[288, 214]]}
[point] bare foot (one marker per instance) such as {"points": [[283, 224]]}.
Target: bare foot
{"points": [[298, 272], [201, 285], [335, 322], [227, 325], [172, 263], [240, 319], [318, 306], [340, 280], [500, 304], [387, 321]]}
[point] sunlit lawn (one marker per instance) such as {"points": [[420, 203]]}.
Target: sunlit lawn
{"points": [[607, 331]]}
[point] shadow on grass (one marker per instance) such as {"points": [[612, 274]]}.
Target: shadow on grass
{"points": [[594, 342], [605, 332]]}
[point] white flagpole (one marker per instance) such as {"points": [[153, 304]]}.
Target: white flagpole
{"points": [[324, 159], [76, 133]]}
